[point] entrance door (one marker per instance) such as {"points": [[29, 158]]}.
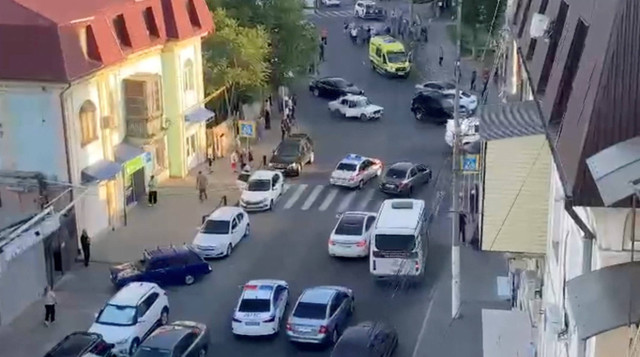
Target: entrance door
{"points": [[139, 190]]}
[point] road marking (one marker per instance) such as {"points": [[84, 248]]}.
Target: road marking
{"points": [[423, 329], [346, 201], [312, 197], [327, 201], [285, 187], [295, 197], [365, 201]]}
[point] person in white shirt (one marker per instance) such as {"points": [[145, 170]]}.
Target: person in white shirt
{"points": [[49, 306]]}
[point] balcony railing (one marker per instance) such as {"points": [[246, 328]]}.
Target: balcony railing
{"points": [[144, 128]]}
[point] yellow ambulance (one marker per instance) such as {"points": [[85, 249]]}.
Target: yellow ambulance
{"points": [[388, 56]]}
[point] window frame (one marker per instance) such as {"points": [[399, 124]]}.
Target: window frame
{"points": [[188, 76], [88, 117]]}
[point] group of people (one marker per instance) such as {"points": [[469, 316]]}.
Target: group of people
{"points": [[241, 160], [289, 116]]}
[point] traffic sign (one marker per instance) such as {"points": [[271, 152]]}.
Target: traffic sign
{"points": [[247, 128], [470, 163]]}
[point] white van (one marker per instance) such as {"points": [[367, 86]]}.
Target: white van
{"points": [[399, 239]]}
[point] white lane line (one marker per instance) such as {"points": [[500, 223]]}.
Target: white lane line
{"points": [[365, 201], [295, 197], [423, 329], [346, 201], [312, 197], [285, 187], [327, 200]]}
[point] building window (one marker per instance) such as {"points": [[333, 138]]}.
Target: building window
{"points": [[532, 49], [525, 17], [88, 43], [193, 14], [88, 123], [554, 40], [191, 145], [569, 72], [150, 23], [188, 76], [156, 96], [515, 13], [120, 28]]}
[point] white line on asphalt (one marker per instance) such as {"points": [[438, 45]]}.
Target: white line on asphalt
{"points": [[285, 187], [423, 329], [327, 201], [312, 197], [295, 197], [346, 201], [365, 201]]}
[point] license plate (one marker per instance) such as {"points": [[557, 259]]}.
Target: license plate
{"points": [[252, 323]]}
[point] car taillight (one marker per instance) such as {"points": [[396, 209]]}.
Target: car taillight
{"points": [[289, 327], [235, 320], [270, 319], [323, 330], [417, 266], [361, 243]]}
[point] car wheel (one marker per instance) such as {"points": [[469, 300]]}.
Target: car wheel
{"points": [[247, 230], [164, 316], [363, 117], [202, 352], [229, 249], [360, 185], [316, 92], [189, 279], [134, 346]]}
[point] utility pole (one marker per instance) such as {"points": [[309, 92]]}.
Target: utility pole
{"points": [[455, 226]]}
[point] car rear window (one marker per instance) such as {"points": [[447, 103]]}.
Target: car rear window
{"points": [[254, 305], [350, 226], [396, 173], [309, 310], [215, 227], [343, 166]]}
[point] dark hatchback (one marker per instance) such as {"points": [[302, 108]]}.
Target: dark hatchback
{"points": [[403, 178], [82, 344], [431, 106], [333, 87], [163, 266], [367, 339], [292, 154], [177, 339]]}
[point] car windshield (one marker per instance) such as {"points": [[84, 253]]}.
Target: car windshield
{"points": [[289, 149], [396, 57], [350, 226], [343, 166], [396, 173], [395, 242], [117, 315], [363, 102], [259, 185], [144, 351], [309, 310], [254, 305], [215, 227]]}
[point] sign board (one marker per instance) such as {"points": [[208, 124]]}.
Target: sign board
{"points": [[247, 128], [133, 165], [470, 163]]}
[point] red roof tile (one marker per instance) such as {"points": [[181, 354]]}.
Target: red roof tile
{"points": [[41, 40]]}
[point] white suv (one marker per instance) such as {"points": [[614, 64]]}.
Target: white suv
{"points": [[131, 315]]}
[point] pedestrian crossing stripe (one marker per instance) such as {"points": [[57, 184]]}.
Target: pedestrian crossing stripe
{"points": [[306, 197], [344, 13], [295, 197]]}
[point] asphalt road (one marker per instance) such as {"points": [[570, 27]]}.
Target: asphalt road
{"points": [[290, 243]]}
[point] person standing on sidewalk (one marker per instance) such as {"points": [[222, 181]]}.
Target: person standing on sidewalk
{"points": [[201, 184], [441, 57], [474, 74], [321, 53], [153, 190], [324, 35], [463, 228], [49, 306], [85, 244], [267, 119], [283, 128], [234, 161]]}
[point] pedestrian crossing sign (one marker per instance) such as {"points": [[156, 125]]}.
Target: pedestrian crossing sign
{"points": [[247, 128], [470, 163]]}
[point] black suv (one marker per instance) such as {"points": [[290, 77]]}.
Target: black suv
{"points": [[292, 154], [82, 344], [333, 87], [432, 106]]}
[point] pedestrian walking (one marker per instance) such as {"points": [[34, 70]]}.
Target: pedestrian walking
{"points": [[85, 244], [321, 53], [49, 306], [473, 80], [267, 119], [484, 89], [202, 182], [234, 161], [288, 127], [250, 157], [152, 186], [283, 128], [294, 100], [424, 33], [441, 57], [463, 228], [243, 158], [324, 35]]}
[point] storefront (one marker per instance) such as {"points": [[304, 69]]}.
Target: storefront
{"points": [[134, 162]]}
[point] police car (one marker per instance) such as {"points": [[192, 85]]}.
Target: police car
{"points": [[261, 307], [355, 170]]}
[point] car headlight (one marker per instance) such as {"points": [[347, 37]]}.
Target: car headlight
{"points": [[291, 166]]}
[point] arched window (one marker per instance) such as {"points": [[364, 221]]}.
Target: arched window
{"points": [[88, 122], [188, 76]]}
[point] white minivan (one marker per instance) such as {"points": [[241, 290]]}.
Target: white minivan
{"points": [[399, 240]]}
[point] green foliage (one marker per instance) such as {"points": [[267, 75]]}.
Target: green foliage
{"points": [[293, 40], [477, 15], [235, 57]]}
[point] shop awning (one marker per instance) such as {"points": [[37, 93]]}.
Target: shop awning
{"points": [[516, 195], [199, 115], [604, 299], [124, 152], [101, 171], [510, 120]]}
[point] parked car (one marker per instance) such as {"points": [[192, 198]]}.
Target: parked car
{"points": [[402, 178], [431, 106], [370, 339], [164, 266], [368, 10], [221, 231], [263, 190], [320, 315], [331, 3], [177, 339], [333, 87], [357, 107], [292, 154], [131, 315], [82, 344]]}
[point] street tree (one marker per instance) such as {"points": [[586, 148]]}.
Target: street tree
{"points": [[293, 40], [237, 58], [479, 22]]}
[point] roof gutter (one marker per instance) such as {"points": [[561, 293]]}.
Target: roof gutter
{"points": [[66, 134]]}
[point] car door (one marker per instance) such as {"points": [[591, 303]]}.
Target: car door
{"points": [[369, 171], [242, 224], [412, 176], [177, 269], [235, 230], [157, 271], [280, 300], [423, 173], [341, 313], [276, 186], [148, 314], [321, 85], [368, 227]]}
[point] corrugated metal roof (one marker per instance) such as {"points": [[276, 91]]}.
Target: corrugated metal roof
{"points": [[510, 120], [516, 195]]}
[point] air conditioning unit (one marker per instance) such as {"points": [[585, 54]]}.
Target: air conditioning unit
{"points": [[539, 25]]}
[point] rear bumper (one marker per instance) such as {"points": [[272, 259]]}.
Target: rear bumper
{"points": [[343, 183], [393, 190], [318, 339], [264, 329], [348, 251]]}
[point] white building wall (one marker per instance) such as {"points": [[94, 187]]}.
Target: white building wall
{"points": [[190, 99]]}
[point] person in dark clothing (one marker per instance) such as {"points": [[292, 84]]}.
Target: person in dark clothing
{"points": [[85, 244], [321, 52], [323, 36], [424, 33], [153, 190], [267, 119], [474, 74], [441, 57], [283, 128], [463, 228]]}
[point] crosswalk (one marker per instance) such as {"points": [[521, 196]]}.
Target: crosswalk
{"points": [[334, 13], [305, 197]]}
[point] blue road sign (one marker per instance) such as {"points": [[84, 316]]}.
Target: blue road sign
{"points": [[247, 128], [470, 163]]}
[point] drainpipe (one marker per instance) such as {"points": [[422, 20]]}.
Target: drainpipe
{"points": [[66, 135]]}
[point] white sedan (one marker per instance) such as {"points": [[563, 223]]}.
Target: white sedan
{"points": [[356, 106], [352, 235], [354, 171], [263, 189], [221, 231], [329, 3], [260, 308]]}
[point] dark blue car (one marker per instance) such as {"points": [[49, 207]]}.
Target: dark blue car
{"points": [[163, 266]]}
